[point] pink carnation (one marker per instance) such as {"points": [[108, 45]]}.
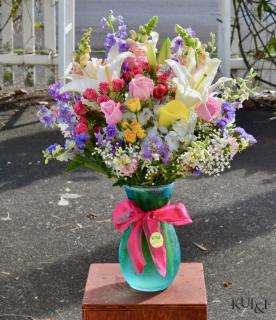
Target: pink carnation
{"points": [[104, 87], [79, 108], [102, 98], [118, 84], [112, 111], [141, 87], [90, 94], [129, 169]]}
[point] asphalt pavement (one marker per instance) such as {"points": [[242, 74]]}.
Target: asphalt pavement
{"points": [[54, 224]]}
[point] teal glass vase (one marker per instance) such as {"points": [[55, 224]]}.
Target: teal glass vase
{"points": [[150, 280]]}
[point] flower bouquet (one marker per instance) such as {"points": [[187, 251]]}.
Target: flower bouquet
{"points": [[146, 116]]}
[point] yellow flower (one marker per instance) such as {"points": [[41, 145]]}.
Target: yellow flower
{"points": [[133, 104], [130, 136], [124, 124], [141, 133], [173, 110], [135, 126], [83, 60]]}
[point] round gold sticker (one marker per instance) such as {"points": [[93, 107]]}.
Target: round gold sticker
{"points": [[156, 240]]}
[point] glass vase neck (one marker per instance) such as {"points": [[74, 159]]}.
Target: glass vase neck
{"points": [[150, 197]]}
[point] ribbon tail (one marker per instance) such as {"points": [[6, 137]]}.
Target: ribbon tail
{"points": [[134, 247], [159, 255]]}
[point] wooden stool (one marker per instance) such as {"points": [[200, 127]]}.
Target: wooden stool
{"points": [[108, 297]]}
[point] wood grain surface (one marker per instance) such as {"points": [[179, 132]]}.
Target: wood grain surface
{"points": [[108, 297]]}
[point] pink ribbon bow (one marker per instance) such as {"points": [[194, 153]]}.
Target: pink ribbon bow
{"points": [[126, 213]]}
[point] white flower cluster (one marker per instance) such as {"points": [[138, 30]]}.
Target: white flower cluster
{"points": [[209, 157]]}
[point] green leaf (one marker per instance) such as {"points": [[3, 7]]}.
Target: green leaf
{"points": [[260, 10], [94, 166], [74, 164], [271, 46], [165, 51]]}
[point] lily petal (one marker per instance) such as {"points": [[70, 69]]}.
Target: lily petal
{"points": [[205, 75], [80, 85], [188, 96]]}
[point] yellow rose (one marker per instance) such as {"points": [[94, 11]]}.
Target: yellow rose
{"points": [[135, 126], [130, 136], [173, 110], [133, 104], [141, 133], [83, 60], [124, 124]]}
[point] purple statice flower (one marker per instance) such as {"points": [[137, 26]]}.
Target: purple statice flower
{"points": [[177, 43], [46, 117], [110, 41], [51, 148], [99, 137], [81, 139], [227, 116], [196, 172], [103, 22], [191, 32], [77, 99], [116, 37], [54, 91], [123, 46], [111, 131], [66, 115], [242, 133], [154, 145]]}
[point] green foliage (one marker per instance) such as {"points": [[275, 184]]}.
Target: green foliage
{"points": [[84, 44], [14, 8], [165, 51], [264, 6], [212, 43], [146, 29], [239, 89], [39, 25], [189, 41], [271, 47]]}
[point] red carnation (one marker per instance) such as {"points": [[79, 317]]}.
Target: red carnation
{"points": [[104, 87], [90, 94], [102, 98], [159, 91], [163, 78], [96, 128], [83, 120], [79, 108], [118, 84], [81, 128]]}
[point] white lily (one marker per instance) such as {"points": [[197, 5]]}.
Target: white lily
{"points": [[193, 86], [97, 71]]}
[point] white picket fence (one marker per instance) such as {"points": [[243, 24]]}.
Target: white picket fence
{"points": [[31, 66]]}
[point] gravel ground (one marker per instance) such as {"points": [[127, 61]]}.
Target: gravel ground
{"points": [[46, 248]]}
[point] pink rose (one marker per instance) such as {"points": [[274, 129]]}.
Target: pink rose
{"points": [[210, 110], [141, 87], [112, 111], [79, 108]]}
